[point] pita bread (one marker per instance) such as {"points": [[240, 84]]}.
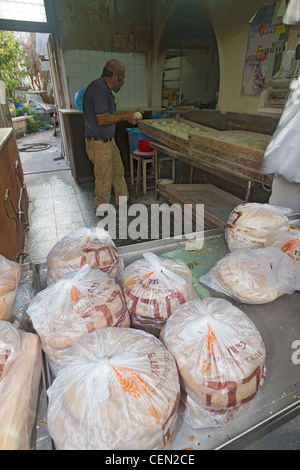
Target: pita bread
{"points": [[10, 274], [249, 225], [20, 374], [154, 289], [76, 305], [219, 353], [92, 246], [118, 389]]}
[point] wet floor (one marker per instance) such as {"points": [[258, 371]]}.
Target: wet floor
{"points": [[58, 205]]}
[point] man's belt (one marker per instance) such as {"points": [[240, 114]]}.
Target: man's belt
{"points": [[98, 138]]}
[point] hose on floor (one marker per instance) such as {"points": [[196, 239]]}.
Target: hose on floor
{"points": [[34, 147]]}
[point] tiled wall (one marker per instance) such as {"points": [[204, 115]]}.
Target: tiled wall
{"points": [[84, 66]]}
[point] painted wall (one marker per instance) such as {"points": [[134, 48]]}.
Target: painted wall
{"points": [[230, 20], [232, 29], [92, 24], [88, 29]]}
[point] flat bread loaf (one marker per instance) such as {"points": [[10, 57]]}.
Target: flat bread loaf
{"points": [[255, 276], [287, 241], [249, 225], [154, 287], [20, 374], [117, 389], [92, 246], [247, 280], [10, 274], [219, 353], [76, 305]]}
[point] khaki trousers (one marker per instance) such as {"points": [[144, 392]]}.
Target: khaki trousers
{"points": [[108, 170]]}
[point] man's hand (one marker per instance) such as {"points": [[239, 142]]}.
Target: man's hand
{"points": [[108, 119], [133, 118]]}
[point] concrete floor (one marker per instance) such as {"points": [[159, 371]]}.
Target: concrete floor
{"points": [[59, 206]]}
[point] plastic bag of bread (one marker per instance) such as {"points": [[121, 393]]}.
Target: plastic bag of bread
{"points": [[153, 288], [220, 356], [20, 374], [92, 246], [254, 276], [77, 304], [10, 274], [117, 389], [249, 225], [287, 241]]}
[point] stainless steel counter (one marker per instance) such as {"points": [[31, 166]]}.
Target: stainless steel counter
{"points": [[278, 323], [5, 133]]}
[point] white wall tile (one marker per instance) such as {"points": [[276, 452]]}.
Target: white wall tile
{"points": [[84, 66]]}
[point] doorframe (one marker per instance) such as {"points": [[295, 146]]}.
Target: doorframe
{"points": [[48, 27]]}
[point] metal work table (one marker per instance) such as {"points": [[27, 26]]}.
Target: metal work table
{"points": [[278, 323]]}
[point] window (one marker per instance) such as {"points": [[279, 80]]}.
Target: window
{"points": [[21, 10]]}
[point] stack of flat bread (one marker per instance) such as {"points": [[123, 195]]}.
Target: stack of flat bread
{"points": [[154, 287], [74, 306], [220, 357], [20, 374], [10, 274], [287, 241], [249, 225], [255, 276], [92, 246], [117, 389]]}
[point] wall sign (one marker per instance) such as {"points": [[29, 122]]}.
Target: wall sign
{"points": [[268, 40]]}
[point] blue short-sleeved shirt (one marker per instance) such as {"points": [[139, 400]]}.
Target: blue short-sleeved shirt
{"points": [[97, 100]]}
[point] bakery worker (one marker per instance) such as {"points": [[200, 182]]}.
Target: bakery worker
{"points": [[100, 119]]}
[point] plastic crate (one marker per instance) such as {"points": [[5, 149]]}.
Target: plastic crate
{"points": [[134, 135]]}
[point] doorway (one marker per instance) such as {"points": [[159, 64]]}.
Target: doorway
{"points": [[56, 204], [186, 67]]}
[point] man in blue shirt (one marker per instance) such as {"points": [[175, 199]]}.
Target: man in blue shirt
{"points": [[100, 119]]}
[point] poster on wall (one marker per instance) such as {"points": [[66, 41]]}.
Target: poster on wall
{"points": [[268, 40]]}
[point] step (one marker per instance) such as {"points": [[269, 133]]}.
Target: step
{"points": [[217, 203]]}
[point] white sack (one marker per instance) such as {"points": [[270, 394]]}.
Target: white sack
{"points": [[282, 155]]}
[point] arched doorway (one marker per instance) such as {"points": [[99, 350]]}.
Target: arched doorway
{"points": [[186, 59]]}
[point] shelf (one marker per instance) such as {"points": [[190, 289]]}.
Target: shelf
{"points": [[172, 68]]}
